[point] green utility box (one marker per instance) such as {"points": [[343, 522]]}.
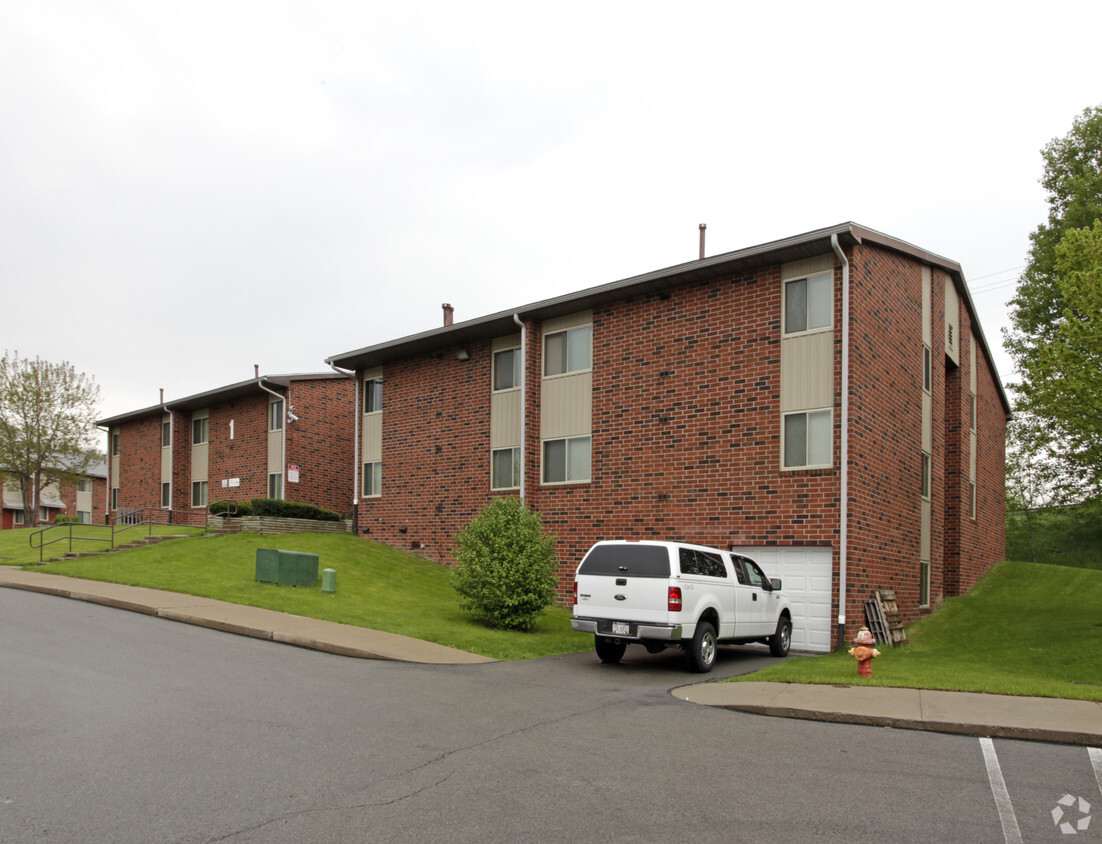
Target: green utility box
{"points": [[287, 568]]}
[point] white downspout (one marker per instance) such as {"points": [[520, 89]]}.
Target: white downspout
{"points": [[282, 432], [357, 471], [843, 509], [171, 455], [523, 395]]}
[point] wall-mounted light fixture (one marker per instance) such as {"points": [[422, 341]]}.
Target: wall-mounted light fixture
{"points": [[462, 355]]}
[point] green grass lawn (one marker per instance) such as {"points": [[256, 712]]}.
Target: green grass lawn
{"points": [[1024, 629], [377, 587]]}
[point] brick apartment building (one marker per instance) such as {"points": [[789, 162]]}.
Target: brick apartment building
{"points": [[826, 404], [273, 436], [86, 500]]}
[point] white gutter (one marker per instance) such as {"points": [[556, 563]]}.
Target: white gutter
{"points": [[356, 470], [523, 395], [843, 509], [283, 435]]}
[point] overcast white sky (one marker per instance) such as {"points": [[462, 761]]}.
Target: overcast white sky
{"points": [[188, 189]]}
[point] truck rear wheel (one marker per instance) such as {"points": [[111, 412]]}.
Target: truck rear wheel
{"points": [[609, 650], [702, 651]]}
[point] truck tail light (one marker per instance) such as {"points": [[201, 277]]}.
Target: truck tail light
{"points": [[575, 593], [673, 599]]}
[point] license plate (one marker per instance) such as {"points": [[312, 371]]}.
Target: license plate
{"points": [[621, 628]]}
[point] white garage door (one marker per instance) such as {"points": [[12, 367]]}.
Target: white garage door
{"points": [[806, 576]]}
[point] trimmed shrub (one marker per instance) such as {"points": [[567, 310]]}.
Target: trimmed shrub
{"points": [[63, 519], [292, 510], [505, 575]]}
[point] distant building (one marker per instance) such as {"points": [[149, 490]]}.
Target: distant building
{"points": [[86, 500], [826, 404], [273, 436]]}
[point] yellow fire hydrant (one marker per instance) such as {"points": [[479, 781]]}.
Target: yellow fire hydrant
{"points": [[864, 651]]}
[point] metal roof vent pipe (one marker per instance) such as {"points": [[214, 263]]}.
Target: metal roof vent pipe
{"points": [[703, 227], [449, 314]]}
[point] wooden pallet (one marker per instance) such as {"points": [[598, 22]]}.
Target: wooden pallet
{"points": [[878, 625], [890, 609]]}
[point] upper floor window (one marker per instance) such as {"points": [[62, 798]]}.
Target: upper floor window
{"points": [[200, 430], [807, 439], [568, 351], [567, 460], [973, 405], [373, 395], [84, 485], [275, 420], [506, 369], [925, 482], [927, 368], [114, 444], [808, 303], [166, 434]]}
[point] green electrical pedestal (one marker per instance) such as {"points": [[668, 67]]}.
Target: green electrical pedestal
{"points": [[287, 568]]}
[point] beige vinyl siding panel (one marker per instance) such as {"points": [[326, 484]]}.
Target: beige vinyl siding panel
{"points": [[500, 344], [927, 341], [372, 444], [199, 461], [808, 266], [807, 371], [275, 452], [952, 321], [505, 419], [569, 321], [566, 406], [84, 501], [924, 540]]}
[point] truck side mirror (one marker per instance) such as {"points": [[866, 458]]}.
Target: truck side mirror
{"points": [[775, 584]]}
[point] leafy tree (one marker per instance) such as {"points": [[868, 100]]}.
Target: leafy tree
{"points": [[1056, 314], [505, 574], [47, 425]]}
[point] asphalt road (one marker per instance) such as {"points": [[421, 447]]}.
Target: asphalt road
{"points": [[120, 727]]}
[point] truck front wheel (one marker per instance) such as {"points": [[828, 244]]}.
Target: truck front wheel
{"points": [[702, 651], [780, 641], [609, 650]]}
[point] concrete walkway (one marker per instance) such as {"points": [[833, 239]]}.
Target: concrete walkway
{"points": [[1004, 716]]}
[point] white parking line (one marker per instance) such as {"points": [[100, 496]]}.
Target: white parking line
{"points": [[1096, 763], [1011, 833]]}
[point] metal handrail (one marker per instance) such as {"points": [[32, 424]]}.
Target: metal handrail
{"points": [[70, 525]]}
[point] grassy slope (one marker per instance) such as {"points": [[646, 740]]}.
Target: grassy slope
{"points": [[377, 587], [1026, 629]]}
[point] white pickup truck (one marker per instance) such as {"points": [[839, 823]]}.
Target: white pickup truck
{"points": [[671, 594]]}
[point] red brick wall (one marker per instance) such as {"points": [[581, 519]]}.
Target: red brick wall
{"points": [[686, 436], [245, 457], [139, 480], [320, 443]]}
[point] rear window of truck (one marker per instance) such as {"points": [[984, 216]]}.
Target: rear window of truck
{"points": [[627, 560]]}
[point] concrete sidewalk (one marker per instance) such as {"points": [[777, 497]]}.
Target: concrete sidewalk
{"points": [[1001, 716], [328, 636]]}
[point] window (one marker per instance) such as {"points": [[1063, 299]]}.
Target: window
{"points": [[754, 575], [971, 500], [566, 460], [927, 368], [506, 369], [200, 430], [198, 493], [84, 485], [568, 351], [43, 514], [701, 562], [924, 583], [808, 303], [973, 427], [372, 480], [808, 439], [166, 494], [166, 434], [84, 517], [275, 417], [114, 444], [275, 485], [373, 395], [505, 469], [114, 498], [925, 475], [18, 517]]}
